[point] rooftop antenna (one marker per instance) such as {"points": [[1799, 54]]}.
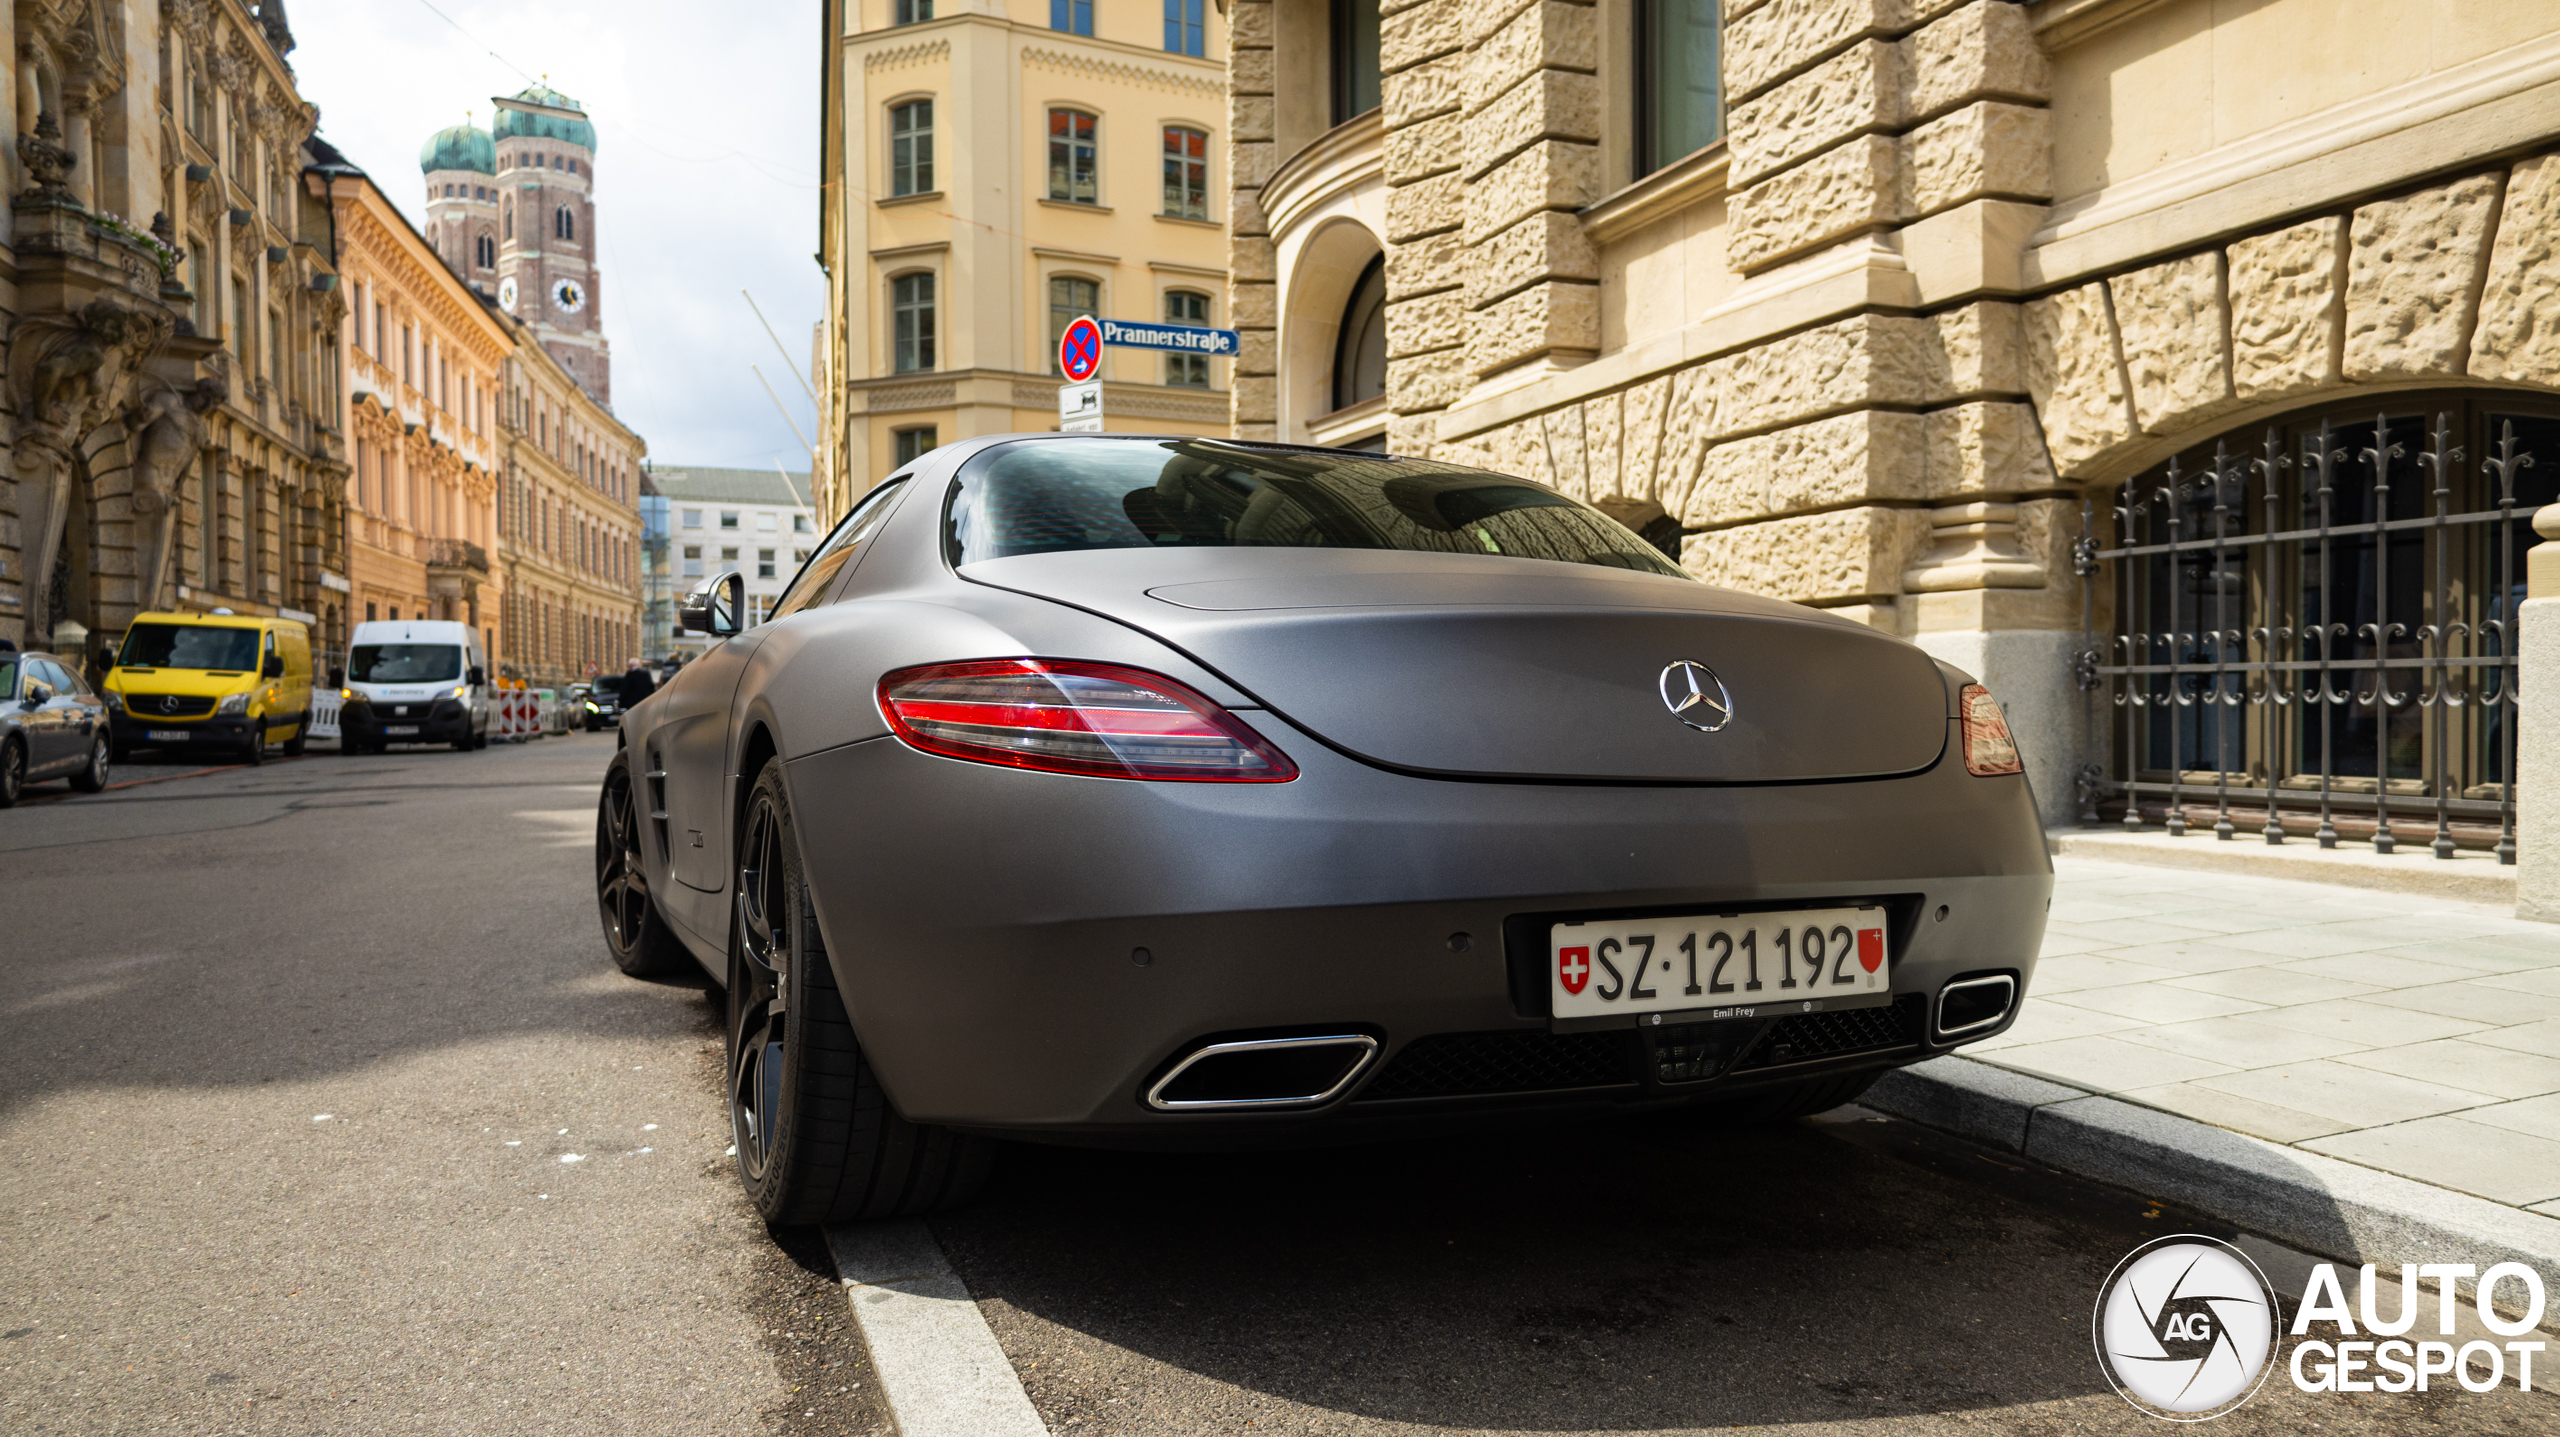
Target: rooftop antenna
{"points": [[786, 414], [777, 344]]}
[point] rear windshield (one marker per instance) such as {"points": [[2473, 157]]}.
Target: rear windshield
{"points": [[1052, 496], [404, 663], [189, 646], [609, 684]]}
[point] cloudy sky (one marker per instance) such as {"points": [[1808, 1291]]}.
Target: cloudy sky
{"points": [[706, 177]]}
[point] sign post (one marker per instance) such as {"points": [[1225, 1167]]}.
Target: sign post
{"points": [[1080, 359]]}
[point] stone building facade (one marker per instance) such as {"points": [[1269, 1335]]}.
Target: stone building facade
{"points": [[568, 547], [171, 382], [989, 171], [1950, 271], [424, 356]]}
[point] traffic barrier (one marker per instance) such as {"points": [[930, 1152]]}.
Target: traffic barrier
{"points": [[324, 714], [518, 716]]}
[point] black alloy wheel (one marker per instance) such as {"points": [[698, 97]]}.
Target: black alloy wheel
{"points": [[13, 771], [93, 777], [818, 1140], [634, 934]]}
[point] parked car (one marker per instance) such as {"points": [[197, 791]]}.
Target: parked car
{"points": [[601, 708], [52, 725], [218, 683], [1178, 791], [414, 681]]}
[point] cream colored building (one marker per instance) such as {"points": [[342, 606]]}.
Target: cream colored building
{"points": [[1870, 298], [569, 539], [992, 170], [424, 355]]}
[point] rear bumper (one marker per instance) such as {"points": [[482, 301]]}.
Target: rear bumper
{"points": [[984, 924]]}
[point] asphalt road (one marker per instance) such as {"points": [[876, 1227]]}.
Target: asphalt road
{"points": [[322, 1110], [1848, 1275]]}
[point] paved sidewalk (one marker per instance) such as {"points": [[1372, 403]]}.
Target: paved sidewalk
{"points": [[2413, 1034]]}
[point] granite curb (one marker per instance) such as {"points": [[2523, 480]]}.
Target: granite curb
{"points": [[2323, 1205], [937, 1361]]}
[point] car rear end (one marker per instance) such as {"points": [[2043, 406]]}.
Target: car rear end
{"points": [[1462, 833]]}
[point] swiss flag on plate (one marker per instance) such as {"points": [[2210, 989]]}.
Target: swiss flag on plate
{"points": [[1871, 948], [1573, 968]]}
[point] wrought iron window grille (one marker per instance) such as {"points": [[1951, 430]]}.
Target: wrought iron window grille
{"points": [[2315, 624]]}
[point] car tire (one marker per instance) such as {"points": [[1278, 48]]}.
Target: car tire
{"points": [[93, 776], [817, 1138], [254, 752], [634, 933], [480, 740], [301, 739], [13, 771]]}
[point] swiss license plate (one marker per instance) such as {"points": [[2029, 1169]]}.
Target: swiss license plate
{"points": [[167, 735], [400, 728], [1706, 967]]}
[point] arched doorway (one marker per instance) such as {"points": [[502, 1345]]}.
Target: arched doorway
{"points": [[2304, 626]]}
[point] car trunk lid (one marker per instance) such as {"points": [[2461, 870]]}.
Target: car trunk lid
{"points": [[1518, 668]]}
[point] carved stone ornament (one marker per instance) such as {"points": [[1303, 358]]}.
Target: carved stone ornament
{"points": [[65, 373], [47, 161], [170, 431]]}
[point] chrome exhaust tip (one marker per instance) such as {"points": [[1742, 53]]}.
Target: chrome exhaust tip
{"points": [[1973, 1004], [1251, 1073]]}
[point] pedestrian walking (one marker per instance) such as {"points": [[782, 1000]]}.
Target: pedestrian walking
{"points": [[636, 685]]}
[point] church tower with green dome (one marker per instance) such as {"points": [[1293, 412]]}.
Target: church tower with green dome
{"points": [[461, 164], [543, 162]]}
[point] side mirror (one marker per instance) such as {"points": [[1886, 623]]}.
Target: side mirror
{"points": [[477, 676], [713, 606], [273, 668], [337, 678], [39, 694]]}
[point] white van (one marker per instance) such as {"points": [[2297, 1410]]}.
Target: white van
{"points": [[414, 681]]}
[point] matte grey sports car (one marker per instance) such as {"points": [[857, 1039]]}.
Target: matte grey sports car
{"points": [[1181, 791]]}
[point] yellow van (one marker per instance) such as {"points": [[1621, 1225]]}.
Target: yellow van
{"points": [[222, 684]]}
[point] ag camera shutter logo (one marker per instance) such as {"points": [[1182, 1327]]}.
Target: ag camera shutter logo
{"points": [[2186, 1328]]}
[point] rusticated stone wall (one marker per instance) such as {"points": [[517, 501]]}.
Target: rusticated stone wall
{"points": [[1253, 152], [2454, 281]]}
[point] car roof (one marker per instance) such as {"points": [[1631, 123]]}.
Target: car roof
{"points": [[217, 621]]}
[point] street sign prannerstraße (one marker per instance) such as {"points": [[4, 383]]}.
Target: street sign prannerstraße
{"points": [[1180, 338], [1080, 349], [1080, 407]]}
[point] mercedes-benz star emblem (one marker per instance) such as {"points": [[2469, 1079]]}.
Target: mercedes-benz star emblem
{"points": [[1696, 696]]}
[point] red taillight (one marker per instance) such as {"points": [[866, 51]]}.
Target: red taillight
{"points": [[1065, 716], [1989, 750]]}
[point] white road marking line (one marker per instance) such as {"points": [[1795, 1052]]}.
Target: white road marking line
{"points": [[939, 1364]]}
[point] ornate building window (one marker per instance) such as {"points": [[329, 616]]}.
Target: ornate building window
{"points": [[1073, 162], [912, 443], [1186, 172], [911, 148], [1360, 346], [911, 316], [1679, 95], [1073, 16], [1355, 58], [1184, 30], [564, 224], [486, 252], [1069, 297], [1188, 371]]}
